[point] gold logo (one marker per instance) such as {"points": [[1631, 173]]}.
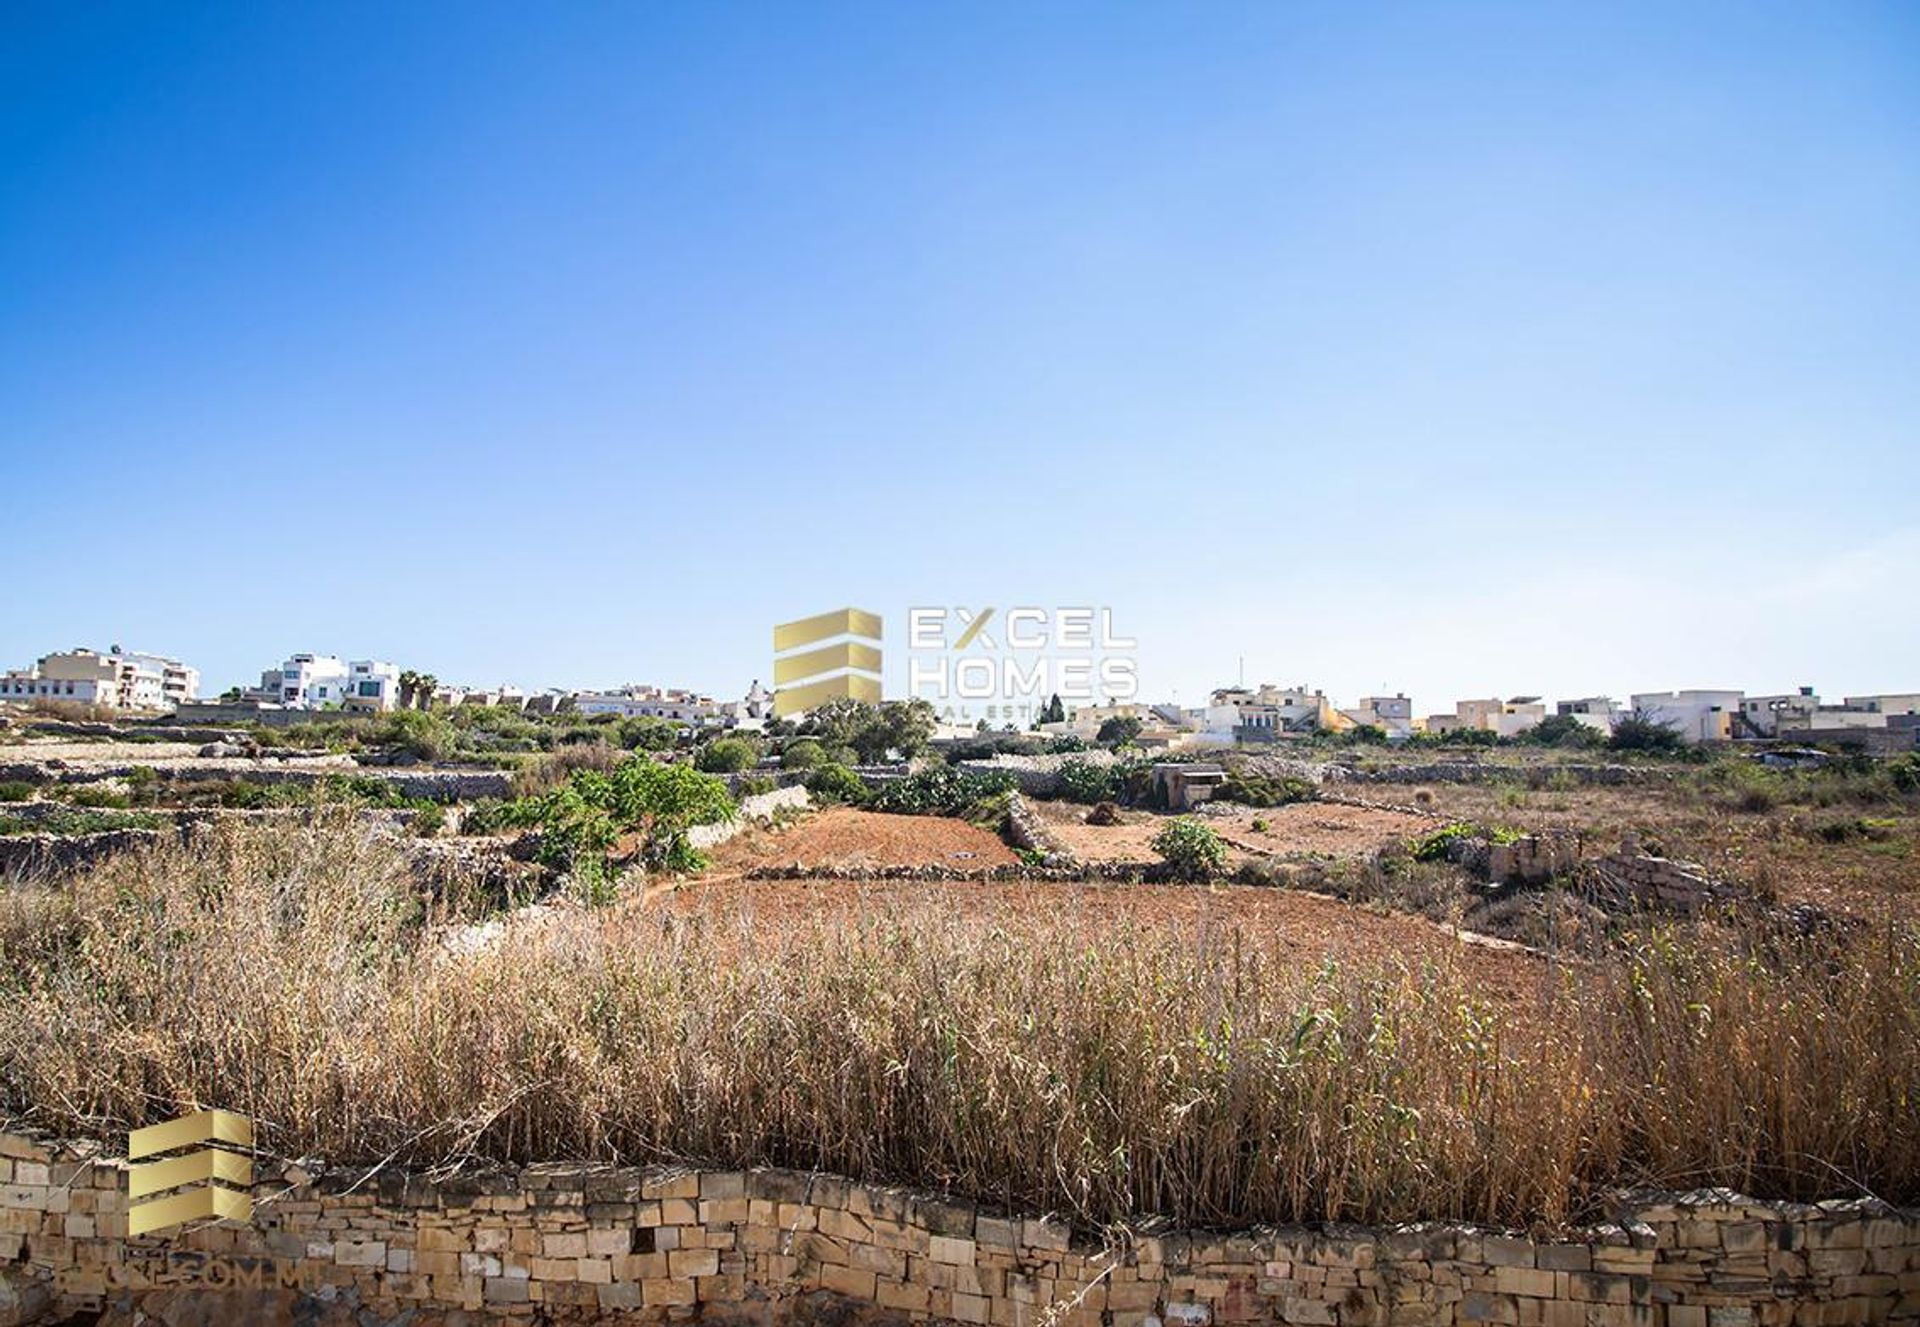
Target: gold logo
{"points": [[187, 1187], [805, 676]]}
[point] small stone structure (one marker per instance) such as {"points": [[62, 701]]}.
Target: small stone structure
{"points": [[573, 1244], [1183, 787], [1631, 878], [1532, 860]]}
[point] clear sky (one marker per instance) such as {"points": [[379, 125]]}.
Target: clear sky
{"points": [[1458, 349]]}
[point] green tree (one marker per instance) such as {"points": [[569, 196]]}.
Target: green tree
{"points": [[728, 755], [1118, 731], [806, 753], [831, 783], [1055, 712]]}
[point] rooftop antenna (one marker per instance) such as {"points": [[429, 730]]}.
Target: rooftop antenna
{"points": [[1243, 670]]}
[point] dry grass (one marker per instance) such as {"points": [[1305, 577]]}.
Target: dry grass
{"points": [[1043, 1056]]}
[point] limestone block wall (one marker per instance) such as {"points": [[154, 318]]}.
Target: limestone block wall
{"points": [[571, 1244]]}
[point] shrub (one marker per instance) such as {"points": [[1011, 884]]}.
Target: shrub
{"points": [[805, 753], [1563, 730], [939, 791], [753, 785], [16, 790], [1088, 783], [101, 798], [1438, 846], [552, 769], [1253, 788], [1106, 813], [1191, 849], [580, 822], [834, 783], [1637, 734], [1260, 826], [1118, 732], [727, 755]]}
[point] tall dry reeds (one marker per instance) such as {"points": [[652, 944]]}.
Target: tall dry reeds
{"points": [[1037, 1056]]}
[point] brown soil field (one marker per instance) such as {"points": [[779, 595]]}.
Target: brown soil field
{"points": [[1322, 828], [841, 836], [1777, 852], [1313, 926]]}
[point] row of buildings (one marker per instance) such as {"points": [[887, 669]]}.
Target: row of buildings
{"points": [[1268, 713], [139, 683]]}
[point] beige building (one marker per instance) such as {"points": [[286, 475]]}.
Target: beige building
{"points": [[1504, 718], [116, 680]]}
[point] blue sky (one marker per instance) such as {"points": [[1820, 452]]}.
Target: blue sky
{"points": [[1458, 349]]}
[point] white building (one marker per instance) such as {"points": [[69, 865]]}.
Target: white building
{"points": [[373, 686], [1597, 712], [1262, 714], [1392, 714], [1902, 702], [1698, 715], [306, 682], [118, 679], [1503, 718], [1764, 716], [649, 702], [328, 682]]}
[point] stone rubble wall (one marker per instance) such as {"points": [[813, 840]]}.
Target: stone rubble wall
{"points": [[570, 1244], [1027, 830], [1532, 860], [757, 809], [1037, 776], [1631, 879]]}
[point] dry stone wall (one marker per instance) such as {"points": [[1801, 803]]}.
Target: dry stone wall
{"points": [[569, 1244]]}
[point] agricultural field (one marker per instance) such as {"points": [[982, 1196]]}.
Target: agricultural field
{"points": [[1333, 1008]]}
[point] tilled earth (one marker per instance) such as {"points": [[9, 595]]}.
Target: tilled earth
{"points": [[840, 836], [1319, 828]]}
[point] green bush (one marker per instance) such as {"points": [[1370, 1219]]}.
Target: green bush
{"points": [[1118, 732], [940, 791], [15, 790], [1191, 849], [727, 755], [1438, 846], [1563, 730], [99, 798], [833, 783], [580, 822], [1088, 783], [1637, 734], [1253, 788], [753, 785], [805, 753]]}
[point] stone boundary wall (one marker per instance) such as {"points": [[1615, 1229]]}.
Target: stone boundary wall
{"points": [[1027, 830], [572, 1244], [758, 808], [441, 785], [1473, 771], [1036, 776]]}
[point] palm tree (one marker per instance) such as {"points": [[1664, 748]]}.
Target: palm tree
{"points": [[409, 687], [427, 684]]}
